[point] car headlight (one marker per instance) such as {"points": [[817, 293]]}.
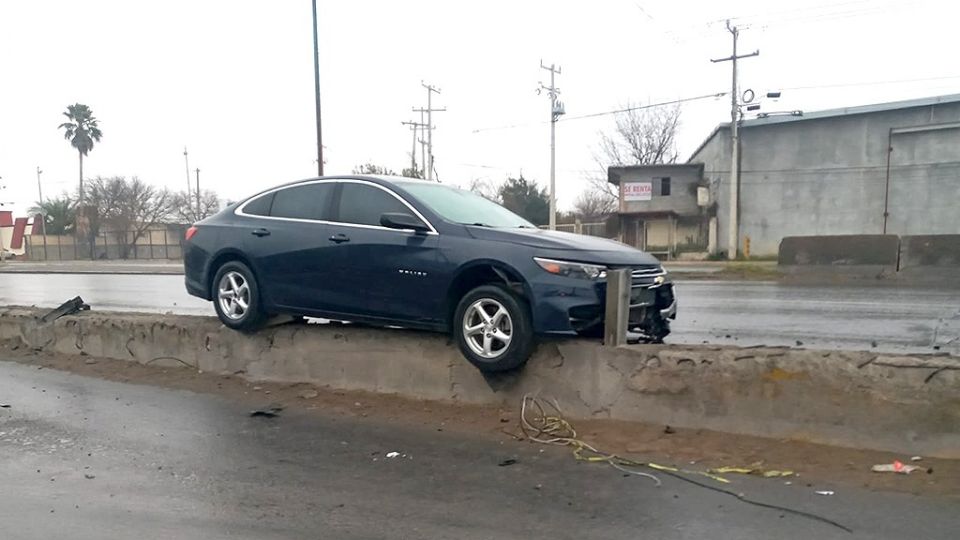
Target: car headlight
{"points": [[572, 269]]}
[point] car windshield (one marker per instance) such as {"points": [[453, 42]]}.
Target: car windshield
{"points": [[464, 207]]}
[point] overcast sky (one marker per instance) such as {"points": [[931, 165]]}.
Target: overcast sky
{"points": [[233, 80]]}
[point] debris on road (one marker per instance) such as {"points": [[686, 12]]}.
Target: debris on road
{"points": [[89, 476], [507, 462], [4, 405], [393, 454], [827, 493], [897, 467], [753, 469], [668, 430], [267, 412], [309, 394], [74, 305], [916, 458]]}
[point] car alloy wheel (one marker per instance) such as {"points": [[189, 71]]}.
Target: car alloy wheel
{"points": [[487, 328], [233, 293]]}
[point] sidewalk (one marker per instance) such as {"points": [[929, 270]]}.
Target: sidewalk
{"points": [[92, 267]]}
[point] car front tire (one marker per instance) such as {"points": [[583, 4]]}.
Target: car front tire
{"points": [[493, 329], [236, 297]]}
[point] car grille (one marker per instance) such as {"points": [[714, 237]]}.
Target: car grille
{"points": [[645, 276]]}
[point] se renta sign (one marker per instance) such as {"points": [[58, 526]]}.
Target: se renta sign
{"points": [[637, 191]]}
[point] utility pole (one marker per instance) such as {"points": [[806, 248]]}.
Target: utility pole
{"points": [[186, 162], [428, 160], [414, 127], [39, 185], [556, 110], [199, 217], [316, 86], [733, 241]]}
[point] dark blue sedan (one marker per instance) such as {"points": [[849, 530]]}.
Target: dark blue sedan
{"points": [[404, 252]]}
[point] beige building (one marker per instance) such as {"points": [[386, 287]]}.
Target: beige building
{"points": [[664, 209]]}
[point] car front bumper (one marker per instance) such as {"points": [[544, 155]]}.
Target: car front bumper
{"points": [[569, 306]]}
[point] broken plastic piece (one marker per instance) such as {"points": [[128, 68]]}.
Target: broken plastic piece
{"points": [[393, 454], [895, 467], [74, 305], [267, 412], [828, 493]]}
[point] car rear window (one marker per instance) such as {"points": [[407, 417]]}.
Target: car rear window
{"points": [[259, 206], [310, 201]]}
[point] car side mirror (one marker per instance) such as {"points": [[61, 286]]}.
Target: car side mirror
{"points": [[399, 220]]}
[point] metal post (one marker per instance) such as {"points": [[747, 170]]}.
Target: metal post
{"points": [[199, 217], [186, 163], [316, 88], [617, 313], [166, 244]]}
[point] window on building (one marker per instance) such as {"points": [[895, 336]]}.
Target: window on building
{"points": [[363, 204], [664, 187], [309, 201]]}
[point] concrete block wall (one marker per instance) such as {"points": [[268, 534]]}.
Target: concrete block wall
{"points": [[859, 399]]}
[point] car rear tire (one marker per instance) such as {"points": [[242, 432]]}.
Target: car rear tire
{"points": [[493, 329], [236, 297]]}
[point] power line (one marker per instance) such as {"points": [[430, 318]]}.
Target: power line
{"points": [[606, 113]]}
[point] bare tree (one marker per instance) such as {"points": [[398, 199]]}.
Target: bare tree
{"points": [[185, 206], [486, 188], [640, 137], [127, 208], [593, 203]]}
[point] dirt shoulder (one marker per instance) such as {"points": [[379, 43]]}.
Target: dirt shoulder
{"points": [[690, 449]]}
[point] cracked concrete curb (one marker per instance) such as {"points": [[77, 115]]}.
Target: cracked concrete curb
{"points": [[908, 404]]}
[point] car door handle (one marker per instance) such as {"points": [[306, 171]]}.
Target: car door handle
{"points": [[339, 238], [260, 232]]}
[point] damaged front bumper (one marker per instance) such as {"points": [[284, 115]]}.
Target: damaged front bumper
{"points": [[653, 303]]}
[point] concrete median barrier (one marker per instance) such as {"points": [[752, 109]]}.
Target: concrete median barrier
{"points": [[933, 258], [858, 399], [854, 256]]}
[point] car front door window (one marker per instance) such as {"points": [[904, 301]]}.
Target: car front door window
{"points": [[384, 273]]}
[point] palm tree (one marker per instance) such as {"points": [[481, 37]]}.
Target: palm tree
{"points": [[82, 131], [58, 214]]}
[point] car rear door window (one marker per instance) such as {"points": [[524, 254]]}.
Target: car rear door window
{"points": [[363, 204], [259, 206], [310, 201]]}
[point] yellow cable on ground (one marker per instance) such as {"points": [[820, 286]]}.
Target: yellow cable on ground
{"points": [[542, 421], [539, 426]]}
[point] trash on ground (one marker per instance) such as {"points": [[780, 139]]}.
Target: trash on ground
{"points": [[267, 412], [669, 430], [393, 454], [89, 476], [754, 470], [74, 305], [895, 467], [916, 458], [828, 493], [507, 462], [4, 405]]}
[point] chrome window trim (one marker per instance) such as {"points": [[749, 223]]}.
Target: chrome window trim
{"points": [[239, 211]]}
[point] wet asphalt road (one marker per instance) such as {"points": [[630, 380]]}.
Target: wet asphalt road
{"points": [[88, 459], [750, 313]]}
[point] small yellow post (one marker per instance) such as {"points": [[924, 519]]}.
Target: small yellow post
{"points": [[746, 247]]}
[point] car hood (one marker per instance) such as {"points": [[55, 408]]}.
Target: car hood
{"points": [[562, 244]]}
